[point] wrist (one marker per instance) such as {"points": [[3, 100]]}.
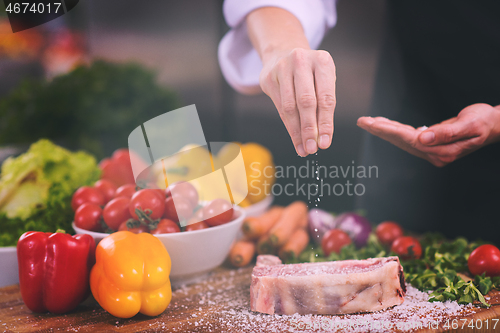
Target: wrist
{"points": [[495, 133], [275, 32]]}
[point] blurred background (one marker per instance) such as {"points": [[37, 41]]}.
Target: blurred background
{"points": [[176, 42]]}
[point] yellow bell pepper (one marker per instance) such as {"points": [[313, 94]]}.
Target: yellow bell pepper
{"points": [[193, 162], [260, 170], [131, 275]]}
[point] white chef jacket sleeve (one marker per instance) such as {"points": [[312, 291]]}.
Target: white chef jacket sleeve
{"points": [[240, 64]]}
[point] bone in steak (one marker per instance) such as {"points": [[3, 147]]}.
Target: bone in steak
{"points": [[334, 287]]}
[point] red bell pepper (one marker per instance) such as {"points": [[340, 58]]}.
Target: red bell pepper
{"points": [[54, 270]]}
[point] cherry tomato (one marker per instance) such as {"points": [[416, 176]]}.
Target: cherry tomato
{"points": [[87, 217], [334, 240], [147, 200], [403, 246], [388, 231], [152, 187], [185, 190], [160, 193], [485, 259], [87, 194], [199, 214], [118, 168], [166, 227], [107, 188], [121, 155], [116, 212], [136, 230], [181, 210], [197, 226], [218, 212], [126, 190]]}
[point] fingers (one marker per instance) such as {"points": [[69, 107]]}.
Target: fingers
{"points": [[302, 87], [448, 132], [440, 144], [324, 77], [369, 121], [287, 109], [400, 135], [306, 102], [393, 132]]}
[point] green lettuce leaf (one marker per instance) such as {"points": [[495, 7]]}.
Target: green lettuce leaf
{"points": [[36, 189]]}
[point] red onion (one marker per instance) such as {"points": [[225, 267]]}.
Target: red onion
{"points": [[357, 227], [320, 222]]}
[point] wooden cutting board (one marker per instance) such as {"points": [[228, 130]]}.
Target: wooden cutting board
{"points": [[218, 304]]}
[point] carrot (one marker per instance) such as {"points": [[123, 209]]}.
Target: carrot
{"points": [[292, 218], [242, 253], [304, 221], [264, 246], [255, 227], [295, 245]]}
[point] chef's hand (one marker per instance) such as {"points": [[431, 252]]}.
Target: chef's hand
{"points": [[475, 126], [301, 84], [300, 81]]}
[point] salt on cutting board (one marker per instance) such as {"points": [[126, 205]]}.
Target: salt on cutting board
{"points": [[233, 313], [222, 304]]}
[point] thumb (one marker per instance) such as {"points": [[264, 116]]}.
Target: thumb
{"points": [[446, 133]]}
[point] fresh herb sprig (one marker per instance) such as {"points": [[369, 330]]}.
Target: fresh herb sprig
{"points": [[438, 267]]}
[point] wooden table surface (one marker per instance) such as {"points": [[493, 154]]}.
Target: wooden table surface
{"points": [[218, 304]]}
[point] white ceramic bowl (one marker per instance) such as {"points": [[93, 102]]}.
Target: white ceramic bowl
{"points": [[260, 207], [193, 253], [9, 273]]}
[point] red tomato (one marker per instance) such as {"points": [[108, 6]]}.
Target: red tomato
{"points": [[126, 190], [166, 227], [116, 212], [218, 212], [160, 193], [122, 155], [147, 200], [485, 259], [402, 246], [107, 188], [334, 240], [185, 190], [118, 173], [136, 230], [197, 226], [388, 231], [87, 194], [199, 214], [181, 210], [87, 217]]}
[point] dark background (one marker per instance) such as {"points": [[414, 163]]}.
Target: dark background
{"points": [[179, 41]]}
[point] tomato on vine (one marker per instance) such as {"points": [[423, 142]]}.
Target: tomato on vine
{"points": [[166, 226], [87, 194], [149, 202], [88, 217], [116, 212]]}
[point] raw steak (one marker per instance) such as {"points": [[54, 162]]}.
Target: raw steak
{"points": [[333, 287]]}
